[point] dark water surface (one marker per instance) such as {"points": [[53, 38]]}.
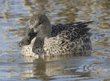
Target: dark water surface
{"points": [[14, 18]]}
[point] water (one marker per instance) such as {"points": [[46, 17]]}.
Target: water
{"points": [[14, 18]]}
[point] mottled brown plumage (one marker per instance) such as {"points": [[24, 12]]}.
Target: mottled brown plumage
{"points": [[44, 38]]}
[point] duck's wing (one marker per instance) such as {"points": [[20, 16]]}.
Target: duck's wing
{"points": [[71, 31]]}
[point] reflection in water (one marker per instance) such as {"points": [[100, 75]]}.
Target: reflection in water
{"points": [[57, 66], [16, 13]]}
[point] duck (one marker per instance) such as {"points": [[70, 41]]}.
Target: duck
{"points": [[46, 39]]}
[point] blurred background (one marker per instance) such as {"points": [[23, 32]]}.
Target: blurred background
{"points": [[14, 22]]}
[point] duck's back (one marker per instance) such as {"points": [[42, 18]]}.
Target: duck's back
{"points": [[73, 38]]}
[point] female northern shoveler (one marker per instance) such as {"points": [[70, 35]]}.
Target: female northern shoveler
{"points": [[44, 38]]}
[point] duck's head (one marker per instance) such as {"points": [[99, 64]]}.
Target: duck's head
{"points": [[41, 25]]}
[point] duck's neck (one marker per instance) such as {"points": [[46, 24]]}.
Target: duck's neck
{"points": [[38, 42]]}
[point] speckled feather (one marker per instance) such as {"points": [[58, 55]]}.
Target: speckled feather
{"points": [[69, 38]]}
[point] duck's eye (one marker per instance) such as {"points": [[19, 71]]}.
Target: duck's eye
{"points": [[40, 23]]}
